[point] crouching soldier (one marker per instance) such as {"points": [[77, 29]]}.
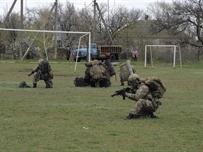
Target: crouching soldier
{"points": [[126, 69], [98, 73], [146, 97], [146, 94], [42, 72]]}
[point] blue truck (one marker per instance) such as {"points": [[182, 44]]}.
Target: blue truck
{"points": [[100, 52]]}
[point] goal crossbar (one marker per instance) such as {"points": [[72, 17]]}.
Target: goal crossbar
{"points": [[49, 31], [175, 49], [42, 31]]}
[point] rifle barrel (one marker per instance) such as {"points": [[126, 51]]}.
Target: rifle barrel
{"points": [[30, 74], [115, 94]]}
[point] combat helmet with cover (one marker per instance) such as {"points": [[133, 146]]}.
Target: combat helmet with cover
{"points": [[40, 60], [23, 84], [133, 78]]}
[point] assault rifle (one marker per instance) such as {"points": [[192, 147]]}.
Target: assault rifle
{"points": [[30, 74], [121, 92]]}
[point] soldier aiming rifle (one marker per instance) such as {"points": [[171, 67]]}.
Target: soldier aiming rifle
{"points": [[146, 94]]}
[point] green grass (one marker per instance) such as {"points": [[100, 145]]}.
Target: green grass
{"points": [[69, 118]]}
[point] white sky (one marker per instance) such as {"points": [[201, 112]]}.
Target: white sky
{"points": [[142, 4]]}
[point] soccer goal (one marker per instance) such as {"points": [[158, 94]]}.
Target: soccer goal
{"points": [[175, 49], [79, 49], [48, 31], [56, 32]]}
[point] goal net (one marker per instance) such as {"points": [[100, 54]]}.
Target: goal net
{"points": [[150, 50]]}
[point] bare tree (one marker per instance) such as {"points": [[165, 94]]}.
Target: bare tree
{"points": [[118, 20], [180, 17], [121, 21], [183, 19], [68, 21], [41, 19], [11, 38]]}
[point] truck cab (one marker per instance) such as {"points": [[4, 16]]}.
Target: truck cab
{"points": [[82, 52], [100, 52]]}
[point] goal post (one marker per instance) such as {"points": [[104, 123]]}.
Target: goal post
{"points": [[79, 49], [49, 31], [175, 50]]}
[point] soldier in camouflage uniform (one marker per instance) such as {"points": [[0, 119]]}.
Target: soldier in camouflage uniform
{"points": [[145, 104], [98, 73], [43, 72], [124, 71]]}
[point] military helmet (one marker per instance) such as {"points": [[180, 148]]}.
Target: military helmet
{"points": [[23, 84], [133, 79], [40, 60]]}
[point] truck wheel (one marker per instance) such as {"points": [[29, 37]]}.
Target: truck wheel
{"points": [[112, 57]]}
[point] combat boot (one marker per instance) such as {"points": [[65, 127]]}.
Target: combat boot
{"points": [[153, 116], [130, 116], [34, 85], [48, 85], [133, 116]]}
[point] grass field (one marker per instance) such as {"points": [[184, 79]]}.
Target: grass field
{"points": [[79, 119]]}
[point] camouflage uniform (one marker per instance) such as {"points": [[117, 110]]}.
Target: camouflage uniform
{"points": [[97, 74], [43, 72], [124, 73], [145, 104]]}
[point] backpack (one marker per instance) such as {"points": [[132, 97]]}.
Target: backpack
{"points": [[127, 67], [155, 85], [96, 70], [45, 67], [126, 70]]}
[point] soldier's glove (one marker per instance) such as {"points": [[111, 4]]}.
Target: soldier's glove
{"points": [[123, 94]]}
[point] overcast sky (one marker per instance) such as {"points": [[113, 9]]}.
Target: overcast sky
{"points": [[142, 4]]}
